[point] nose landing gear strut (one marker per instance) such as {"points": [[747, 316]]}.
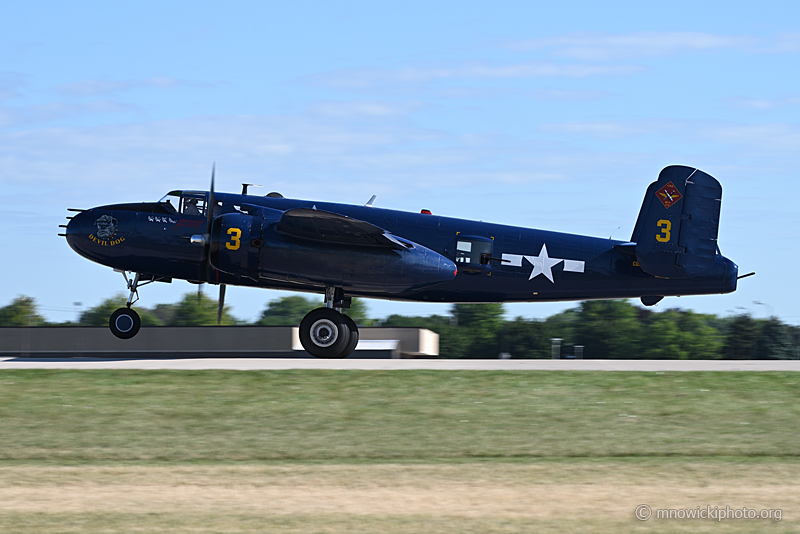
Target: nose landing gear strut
{"points": [[125, 323]]}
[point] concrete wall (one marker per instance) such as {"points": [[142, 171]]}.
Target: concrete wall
{"points": [[193, 342], [414, 342]]}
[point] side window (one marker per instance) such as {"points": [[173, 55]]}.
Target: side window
{"points": [[473, 250], [463, 250], [193, 205]]}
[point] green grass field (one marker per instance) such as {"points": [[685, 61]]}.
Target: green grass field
{"points": [[397, 451]]}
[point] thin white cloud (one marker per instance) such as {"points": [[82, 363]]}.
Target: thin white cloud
{"points": [[101, 87], [301, 155], [605, 129], [27, 115], [766, 104], [518, 92], [173, 148], [772, 137], [765, 137], [10, 82], [298, 155], [366, 78], [787, 42], [93, 87], [366, 108], [607, 46]]}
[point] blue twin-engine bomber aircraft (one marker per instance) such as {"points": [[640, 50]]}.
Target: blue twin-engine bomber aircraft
{"points": [[344, 251]]}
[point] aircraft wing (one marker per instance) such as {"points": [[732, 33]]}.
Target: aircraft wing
{"points": [[328, 227]]}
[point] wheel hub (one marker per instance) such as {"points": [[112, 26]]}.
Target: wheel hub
{"points": [[124, 323], [324, 333]]}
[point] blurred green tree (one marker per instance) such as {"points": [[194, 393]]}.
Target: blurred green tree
{"points": [[165, 313], [359, 312], [742, 341], [609, 329], [701, 340], [663, 339], [527, 338], [563, 325], [778, 341], [480, 325], [286, 311], [199, 310], [21, 312], [680, 334]]}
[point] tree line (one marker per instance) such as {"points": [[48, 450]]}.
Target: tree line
{"points": [[614, 329]]}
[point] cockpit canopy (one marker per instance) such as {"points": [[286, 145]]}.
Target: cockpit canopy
{"points": [[186, 202]]}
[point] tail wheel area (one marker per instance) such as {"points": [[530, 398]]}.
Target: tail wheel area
{"points": [[326, 333], [124, 323]]}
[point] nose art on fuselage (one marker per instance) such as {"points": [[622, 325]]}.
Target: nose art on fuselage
{"points": [[92, 233]]}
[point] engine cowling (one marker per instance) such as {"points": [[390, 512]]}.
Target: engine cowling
{"points": [[236, 240]]}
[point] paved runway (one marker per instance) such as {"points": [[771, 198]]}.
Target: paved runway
{"points": [[256, 364]]}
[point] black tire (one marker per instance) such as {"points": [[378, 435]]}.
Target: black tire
{"points": [[124, 323], [353, 341], [324, 333]]}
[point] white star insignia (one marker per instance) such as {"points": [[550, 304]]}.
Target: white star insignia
{"points": [[543, 264]]}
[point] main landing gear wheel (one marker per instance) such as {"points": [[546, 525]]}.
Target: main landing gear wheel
{"points": [[353, 341], [325, 333], [124, 323]]}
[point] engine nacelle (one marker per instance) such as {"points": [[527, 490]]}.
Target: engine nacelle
{"points": [[252, 246], [235, 243], [352, 266]]}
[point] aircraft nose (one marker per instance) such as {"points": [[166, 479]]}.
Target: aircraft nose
{"points": [[78, 229], [76, 218]]}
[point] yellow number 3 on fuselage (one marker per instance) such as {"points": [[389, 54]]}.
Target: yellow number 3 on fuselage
{"points": [[661, 237], [236, 235]]}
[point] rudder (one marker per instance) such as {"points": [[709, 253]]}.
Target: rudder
{"points": [[676, 232]]}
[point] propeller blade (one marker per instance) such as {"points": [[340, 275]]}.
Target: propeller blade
{"points": [[210, 207], [205, 260], [221, 302]]}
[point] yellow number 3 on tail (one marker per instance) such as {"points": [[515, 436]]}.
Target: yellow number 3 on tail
{"points": [[664, 235], [236, 235]]}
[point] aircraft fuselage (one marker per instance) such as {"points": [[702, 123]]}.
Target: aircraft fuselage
{"points": [[494, 263]]}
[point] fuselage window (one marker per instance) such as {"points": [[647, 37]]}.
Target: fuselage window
{"points": [[471, 251]]}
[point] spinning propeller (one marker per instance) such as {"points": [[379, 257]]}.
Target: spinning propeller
{"points": [[205, 240]]}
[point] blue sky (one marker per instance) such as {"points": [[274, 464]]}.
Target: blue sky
{"points": [[549, 115]]}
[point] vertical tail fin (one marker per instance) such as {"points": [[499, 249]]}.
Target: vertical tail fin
{"points": [[676, 232]]}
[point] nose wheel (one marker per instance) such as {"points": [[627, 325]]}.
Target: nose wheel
{"points": [[124, 323]]}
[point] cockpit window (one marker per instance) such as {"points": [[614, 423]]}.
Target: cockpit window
{"points": [[193, 205], [167, 204], [185, 202], [170, 201]]}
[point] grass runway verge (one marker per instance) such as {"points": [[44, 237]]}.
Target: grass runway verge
{"points": [[394, 451]]}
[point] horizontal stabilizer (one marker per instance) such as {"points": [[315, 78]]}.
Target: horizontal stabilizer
{"points": [[676, 233], [332, 228]]}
